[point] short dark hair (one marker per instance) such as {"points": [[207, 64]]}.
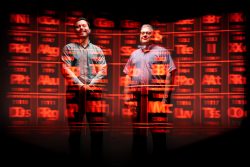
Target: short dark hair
{"points": [[82, 18]]}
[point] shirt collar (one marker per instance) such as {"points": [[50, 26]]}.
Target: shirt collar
{"points": [[145, 48], [86, 45]]}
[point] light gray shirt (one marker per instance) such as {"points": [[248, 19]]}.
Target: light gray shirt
{"points": [[84, 65], [147, 67]]}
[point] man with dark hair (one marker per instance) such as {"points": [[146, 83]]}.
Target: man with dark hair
{"points": [[84, 68]]}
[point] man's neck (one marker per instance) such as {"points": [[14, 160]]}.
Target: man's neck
{"points": [[84, 42], [146, 47]]}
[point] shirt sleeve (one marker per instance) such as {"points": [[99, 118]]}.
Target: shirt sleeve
{"points": [[127, 69], [170, 63], [69, 72]]}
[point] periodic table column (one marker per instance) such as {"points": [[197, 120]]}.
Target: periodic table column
{"points": [[237, 80], [184, 96], [129, 39], [21, 104], [47, 77], [211, 70]]}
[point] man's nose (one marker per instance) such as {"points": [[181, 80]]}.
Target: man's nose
{"points": [[81, 27]]}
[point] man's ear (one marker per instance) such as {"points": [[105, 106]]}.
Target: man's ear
{"points": [[89, 30]]}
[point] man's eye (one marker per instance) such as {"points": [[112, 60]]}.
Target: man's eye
{"points": [[148, 33]]}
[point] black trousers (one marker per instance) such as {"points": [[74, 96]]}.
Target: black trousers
{"points": [[149, 117], [80, 104]]}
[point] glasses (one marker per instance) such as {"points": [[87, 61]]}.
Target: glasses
{"points": [[146, 32]]}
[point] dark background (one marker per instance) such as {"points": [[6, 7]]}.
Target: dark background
{"points": [[230, 148]]}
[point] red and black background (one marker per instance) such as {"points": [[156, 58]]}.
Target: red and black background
{"points": [[209, 111]]}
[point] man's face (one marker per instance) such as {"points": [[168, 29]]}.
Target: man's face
{"points": [[146, 35], [82, 28]]}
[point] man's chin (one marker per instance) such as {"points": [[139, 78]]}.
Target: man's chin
{"points": [[144, 43], [82, 36]]}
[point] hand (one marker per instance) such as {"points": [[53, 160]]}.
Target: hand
{"points": [[127, 97], [84, 87], [166, 100]]}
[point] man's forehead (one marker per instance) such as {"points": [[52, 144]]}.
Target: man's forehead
{"points": [[146, 29], [81, 22]]}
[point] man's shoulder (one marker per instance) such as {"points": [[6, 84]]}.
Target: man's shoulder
{"points": [[162, 49], [159, 47], [135, 51], [70, 45]]}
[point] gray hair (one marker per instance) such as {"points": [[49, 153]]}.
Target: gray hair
{"points": [[147, 25]]}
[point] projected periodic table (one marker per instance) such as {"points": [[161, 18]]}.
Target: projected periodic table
{"points": [[209, 52]]}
